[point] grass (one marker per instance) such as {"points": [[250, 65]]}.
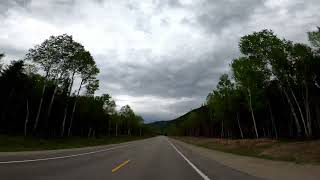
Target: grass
{"points": [[293, 151], [20, 143]]}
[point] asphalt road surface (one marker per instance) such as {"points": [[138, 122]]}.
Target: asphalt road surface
{"points": [[151, 159]]}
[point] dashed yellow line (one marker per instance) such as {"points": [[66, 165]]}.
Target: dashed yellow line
{"points": [[120, 166]]}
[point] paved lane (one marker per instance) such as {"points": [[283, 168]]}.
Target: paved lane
{"points": [[153, 158]]}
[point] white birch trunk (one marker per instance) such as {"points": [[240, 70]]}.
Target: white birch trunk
{"points": [[51, 101], [64, 120], [301, 114], [272, 121], [239, 126], [293, 113], [252, 114], [66, 107], [27, 119], [307, 108], [74, 108], [39, 109]]}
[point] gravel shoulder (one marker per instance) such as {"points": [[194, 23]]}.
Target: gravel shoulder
{"points": [[262, 168]]}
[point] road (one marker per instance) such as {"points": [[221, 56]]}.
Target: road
{"points": [[152, 159]]}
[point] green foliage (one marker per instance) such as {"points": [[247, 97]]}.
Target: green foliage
{"points": [[275, 83], [273, 91], [18, 143], [27, 96], [314, 38]]}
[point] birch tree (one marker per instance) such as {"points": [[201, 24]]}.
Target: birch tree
{"points": [[52, 57], [251, 75], [274, 54]]}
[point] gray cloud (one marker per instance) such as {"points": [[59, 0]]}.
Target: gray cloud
{"points": [[216, 16], [7, 5], [160, 56]]}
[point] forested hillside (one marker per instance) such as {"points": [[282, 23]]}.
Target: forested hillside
{"points": [[273, 91], [50, 93], [193, 123]]}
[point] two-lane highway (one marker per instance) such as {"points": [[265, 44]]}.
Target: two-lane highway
{"points": [[153, 158]]}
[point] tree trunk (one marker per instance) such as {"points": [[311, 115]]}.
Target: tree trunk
{"points": [[51, 101], [66, 107], [307, 108], [222, 129], [74, 108], [71, 119], [272, 121], [27, 118], [72, 80], [116, 129], [315, 82], [293, 113], [39, 109], [239, 125], [89, 133], [64, 120], [301, 114], [52, 98], [252, 114]]}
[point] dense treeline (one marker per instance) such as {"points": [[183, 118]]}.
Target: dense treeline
{"points": [[50, 93], [274, 91]]}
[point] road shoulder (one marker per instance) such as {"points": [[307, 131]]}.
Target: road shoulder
{"points": [[266, 169]]}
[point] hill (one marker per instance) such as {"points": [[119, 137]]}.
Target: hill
{"points": [[198, 118]]}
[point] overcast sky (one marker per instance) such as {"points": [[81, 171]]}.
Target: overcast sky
{"points": [[161, 57]]}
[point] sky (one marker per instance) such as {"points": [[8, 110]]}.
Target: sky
{"points": [[162, 57]]}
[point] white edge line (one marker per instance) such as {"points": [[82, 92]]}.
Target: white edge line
{"points": [[61, 157], [205, 177]]}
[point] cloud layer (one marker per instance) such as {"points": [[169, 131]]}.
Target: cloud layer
{"points": [[162, 57]]}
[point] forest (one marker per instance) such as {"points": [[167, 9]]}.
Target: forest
{"points": [[272, 91], [50, 92]]}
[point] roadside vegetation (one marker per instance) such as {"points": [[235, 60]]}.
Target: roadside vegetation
{"points": [[285, 150], [21, 143], [50, 93], [272, 91]]}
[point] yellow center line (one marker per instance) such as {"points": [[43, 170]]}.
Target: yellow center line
{"points": [[120, 166]]}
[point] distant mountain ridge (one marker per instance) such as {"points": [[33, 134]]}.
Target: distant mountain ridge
{"points": [[166, 127]]}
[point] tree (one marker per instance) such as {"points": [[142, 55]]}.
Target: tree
{"points": [[88, 72], [276, 83], [110, 109], [314, 38], [35, 94], [251, 74], [273, 53], [302, 60], [116, 121], [127, 115], [219, 101], [16, 90], [53, 57], [139, 123]]}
